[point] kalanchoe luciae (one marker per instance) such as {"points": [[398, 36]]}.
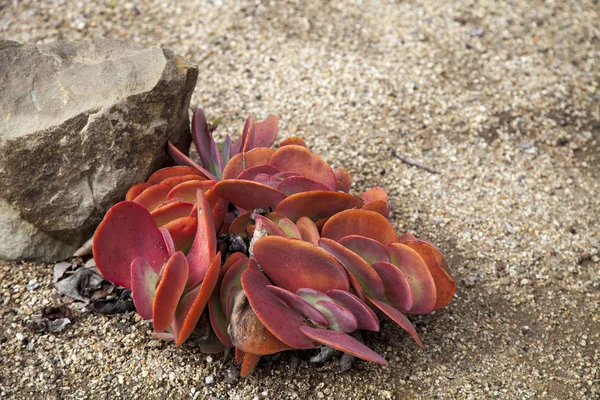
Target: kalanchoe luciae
{"points": [[315, 261]]}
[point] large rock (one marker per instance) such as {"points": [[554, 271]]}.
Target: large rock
{"points": [[80, 123]]}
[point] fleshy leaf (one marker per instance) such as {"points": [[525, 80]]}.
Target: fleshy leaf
{"points": [[397, 288], [153, 196], [184, 160], [187, 318], [308, 230], [187, 190], [301, 160], [299, 184], [271, 227], [204, 246], [343, 342], [398, 318], [239, 225], [248, 134], [290, 229], [169, 291], [243, 161], [359, 222], [378, 206], [370, 250], [205, 144], [285, 174], [292, 141], [374, 194], [143, 286], [271, 311], [176, 180], [418, 275], [218, 320], [445, 284], [182, 231], [248, 195], [339, 318], [248, 364], [267, 180], [317, 205], [170, 212], [170, 172], [344, 179], [136, 189], [250, 173], [294, 264], [227, 148], [248, 333], [232, 281], [266, 131], [368, 278], [169, 243], [230, 262], [365, 317], [219, 213], [300, 305], [126, 233]]}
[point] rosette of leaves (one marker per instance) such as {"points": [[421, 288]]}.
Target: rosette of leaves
{"points": [[272, 243]]}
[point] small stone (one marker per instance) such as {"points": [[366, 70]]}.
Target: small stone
{"points": [[524, 282], [32, 285], [209, 380], [19, 336]]}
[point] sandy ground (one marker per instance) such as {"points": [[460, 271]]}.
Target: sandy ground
{"points": [[501, 98]]}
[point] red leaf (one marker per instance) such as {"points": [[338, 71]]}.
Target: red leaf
{"points": [[370, 250], [153, 196], [187, 190], [172, 211], [343, 342], [169, 291], [308, 230], [266, 131], [293, 264], [368, 278], [398, 318], [299, 305], [445, 284], [204, 246], [143, 287], [182, 231], [343, 178], [292, 141], [317, 205], [186, 319], [365, 317], [248, 195], [171, 248], [250, 173], [397, 288], [127, 232], [184, 160], [170, 172], [359, 222], [272, 312], [243, 161], [248, 365], [418, 275], [135, 190], [301, 160]]}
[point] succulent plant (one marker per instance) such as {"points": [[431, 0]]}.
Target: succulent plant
{"points": [[272, 243]]}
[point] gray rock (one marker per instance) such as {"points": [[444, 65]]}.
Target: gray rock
{"points": [[80, 122]]}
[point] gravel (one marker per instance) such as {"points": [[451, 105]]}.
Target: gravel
{"points": [[502, 99]]}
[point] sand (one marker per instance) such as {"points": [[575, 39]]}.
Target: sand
{"points": [[502, 99]]}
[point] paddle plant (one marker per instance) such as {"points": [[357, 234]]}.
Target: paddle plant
{"points": [[272, 244]]}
